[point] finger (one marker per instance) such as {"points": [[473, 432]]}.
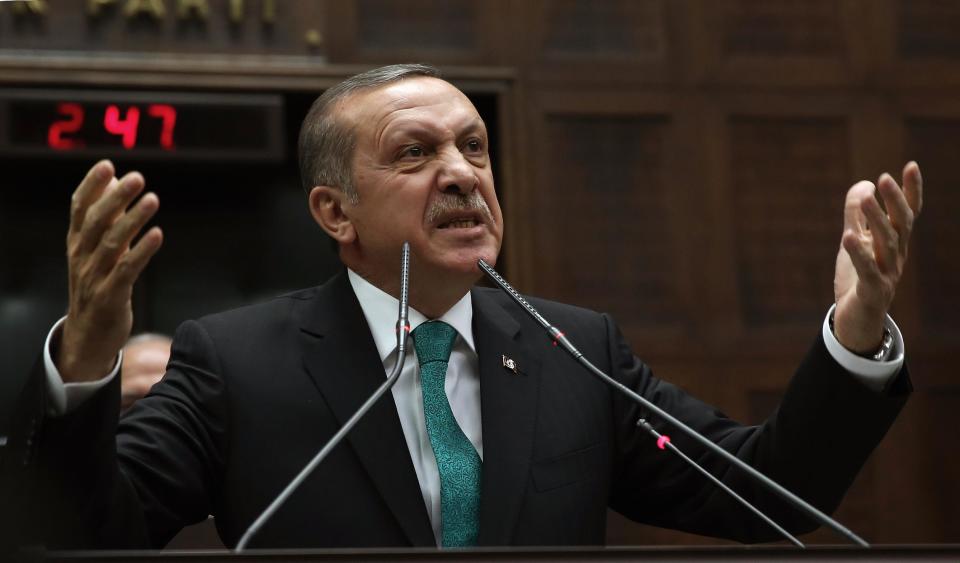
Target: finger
{"points": [[885, 238], [852, 215], [913, 186], [136, 259], [88, 191], [858, 248], [105, 211], [117, 238], [901, 216]]}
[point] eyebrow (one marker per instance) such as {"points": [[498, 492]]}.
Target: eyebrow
{"points": [[420, 129]]}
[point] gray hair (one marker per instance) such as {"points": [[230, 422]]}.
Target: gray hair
{"points": [[325, 146]]}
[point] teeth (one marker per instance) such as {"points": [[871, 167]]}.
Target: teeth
{"points": [[460, 223]]}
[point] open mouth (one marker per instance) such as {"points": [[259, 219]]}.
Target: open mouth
{"points": [[459, 223]]}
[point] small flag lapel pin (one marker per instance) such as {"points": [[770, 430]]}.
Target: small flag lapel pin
{"points": [[510, 364]]}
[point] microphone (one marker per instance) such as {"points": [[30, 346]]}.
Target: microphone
{"points": [[403, 330], [663, 442], [559, 338]]}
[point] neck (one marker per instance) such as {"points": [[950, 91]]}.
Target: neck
{"points": [[434, 304], [432, 295]]}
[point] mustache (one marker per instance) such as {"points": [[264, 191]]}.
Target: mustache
{"points": [[446, 203]]}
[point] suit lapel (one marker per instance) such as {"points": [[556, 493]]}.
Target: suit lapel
{"points": [[508, 410], [342, 359]]}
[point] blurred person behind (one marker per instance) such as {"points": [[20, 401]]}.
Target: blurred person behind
{"points": [[145, 359]]}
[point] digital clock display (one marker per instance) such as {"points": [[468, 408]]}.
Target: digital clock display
{"points": [[156, 125]]}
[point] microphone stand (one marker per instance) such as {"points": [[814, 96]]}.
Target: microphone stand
{"points": [[559, 338], [663, 442], [403, 330]]}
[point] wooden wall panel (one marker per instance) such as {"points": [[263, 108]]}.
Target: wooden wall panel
{"points": [[786, 224], [432, 31], [928, 29], [936, 471], [619, 29], [448, 25], [777, 42], [605, 216], [775, 169], [778, 107], [608, 190], [914, 43], [771, 28], [616, 41], [938, 140], [918, 466]]}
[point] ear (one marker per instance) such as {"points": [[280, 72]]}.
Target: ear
{"points": [[326, 206]]}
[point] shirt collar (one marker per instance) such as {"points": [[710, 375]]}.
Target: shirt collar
{"points": [[380, 309]]}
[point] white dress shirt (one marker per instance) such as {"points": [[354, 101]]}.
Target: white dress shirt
{"points": [[462, 383]]}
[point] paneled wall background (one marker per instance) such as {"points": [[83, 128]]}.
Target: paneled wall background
{"points": [[682, 164]]}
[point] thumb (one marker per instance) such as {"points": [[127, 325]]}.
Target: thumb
{"points": [[853, 218]]}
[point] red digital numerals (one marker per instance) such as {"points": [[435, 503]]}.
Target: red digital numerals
{"points": [[169, 117], [74, 120], [125, 128], [124, 124]]}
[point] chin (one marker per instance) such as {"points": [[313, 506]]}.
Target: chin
{"points": [[458, 260], [466, 268], [466, 264], [489, 256]]}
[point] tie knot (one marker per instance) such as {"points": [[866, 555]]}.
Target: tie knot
{"points": [[433, 341]]}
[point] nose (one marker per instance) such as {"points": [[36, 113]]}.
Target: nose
{"points": [[457, 175]]}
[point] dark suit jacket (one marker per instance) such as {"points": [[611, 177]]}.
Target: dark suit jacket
{"points": [[251, 395]]}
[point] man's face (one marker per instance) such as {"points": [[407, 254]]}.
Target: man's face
{"points": [[422, 171], [143, 365]]}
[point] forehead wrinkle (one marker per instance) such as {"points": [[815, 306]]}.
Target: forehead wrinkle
{"points": [[477, 123], [353, 111], [441, 129], [366, 105], [381, 128]]}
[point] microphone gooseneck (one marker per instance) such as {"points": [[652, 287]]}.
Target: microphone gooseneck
{"points": [[403, 330], [560, 339], [663, 441], [403, 319]]}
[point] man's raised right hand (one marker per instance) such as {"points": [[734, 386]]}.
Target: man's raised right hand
{"points": [[103, 268]]}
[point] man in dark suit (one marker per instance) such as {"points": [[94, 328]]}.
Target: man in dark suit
{"points": [[493, 437]]}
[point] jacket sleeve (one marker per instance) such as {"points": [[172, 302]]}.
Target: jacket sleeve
{"points": [[816, 441], [93, 480]]}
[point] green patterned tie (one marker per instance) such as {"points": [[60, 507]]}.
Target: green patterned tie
{"points": [[457, 460]]}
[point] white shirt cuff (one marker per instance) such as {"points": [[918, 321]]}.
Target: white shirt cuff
{"points": [[873, 374], [65, 397]]}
